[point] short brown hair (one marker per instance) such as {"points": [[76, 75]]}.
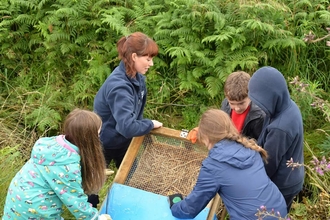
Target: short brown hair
{"points": [[138, 43], [236, 86]]}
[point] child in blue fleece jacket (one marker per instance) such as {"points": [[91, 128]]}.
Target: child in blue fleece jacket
{"points": [[234, 169]]}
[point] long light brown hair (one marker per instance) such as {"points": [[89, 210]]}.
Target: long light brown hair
{"points": [[138, 43], [81, 129], [216, 125]]}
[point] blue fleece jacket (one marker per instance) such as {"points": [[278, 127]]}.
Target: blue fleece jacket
{"points": [[238, 175], [282, 134], [50, 179], [120, 103]]}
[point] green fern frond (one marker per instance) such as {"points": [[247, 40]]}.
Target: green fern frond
{"points": [[289, 42], [245, 58], [223, 36], [100, 5], [44, 118], [35, 41], [249, 62], [66, 12], [238, 41], [78, 23], [217, 17], [190, 85], [83, 92], [42, 28], [85, 38], [258, 25], [68, 47], [26, 19], [214, 86], [59, 36], [179, 52], [201, 59], [301, 15], [115, 20], [324, 15], [20, 45], [42, 4], [83, 6], [25, 3], [303, 4], [198, 72]]}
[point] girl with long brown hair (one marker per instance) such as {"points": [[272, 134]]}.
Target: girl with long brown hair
{"points": [[234, 169], [62, 170]]}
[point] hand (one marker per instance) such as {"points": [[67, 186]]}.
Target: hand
{"points": [[104, 217], [192, 135], [93, 199], [174, 198], [157, 124]]}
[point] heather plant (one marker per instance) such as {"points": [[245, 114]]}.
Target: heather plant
{"points": [[263, 213], [312, 100], [317, 206]]}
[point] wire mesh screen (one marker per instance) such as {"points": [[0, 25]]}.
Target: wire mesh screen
{"points": [[166, 165]]}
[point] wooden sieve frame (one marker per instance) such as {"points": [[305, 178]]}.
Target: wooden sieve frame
{"points": [[133, 150]]}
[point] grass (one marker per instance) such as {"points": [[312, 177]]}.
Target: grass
{"points": [[15, 147], [11, 161]]}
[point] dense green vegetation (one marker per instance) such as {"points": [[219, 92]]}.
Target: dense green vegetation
{"points": [[54, 55]]}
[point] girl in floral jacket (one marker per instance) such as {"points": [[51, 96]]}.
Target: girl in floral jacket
{"points": [[62, 170]]}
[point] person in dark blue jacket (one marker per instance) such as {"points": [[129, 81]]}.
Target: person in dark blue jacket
{"points": [[282, 135], [234, 169], [121, 99]]}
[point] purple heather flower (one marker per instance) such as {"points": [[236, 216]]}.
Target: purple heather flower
{"points": [[328, 167], [315, 161], [319, 171], [323, 161]]}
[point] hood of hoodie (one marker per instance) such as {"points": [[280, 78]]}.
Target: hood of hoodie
{"points": [[54, 151], [233, 153], [268, 89]]}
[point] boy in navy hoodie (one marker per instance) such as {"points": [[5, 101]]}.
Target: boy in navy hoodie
{"points": [[282, 135]]}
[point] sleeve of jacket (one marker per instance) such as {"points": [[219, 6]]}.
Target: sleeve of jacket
{"points": [[122, 105], [257, 127], [71, 193], [224, 105], [276, 144], [204, 190]]}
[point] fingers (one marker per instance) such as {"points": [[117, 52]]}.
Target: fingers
{"points": [[157, 124]]}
